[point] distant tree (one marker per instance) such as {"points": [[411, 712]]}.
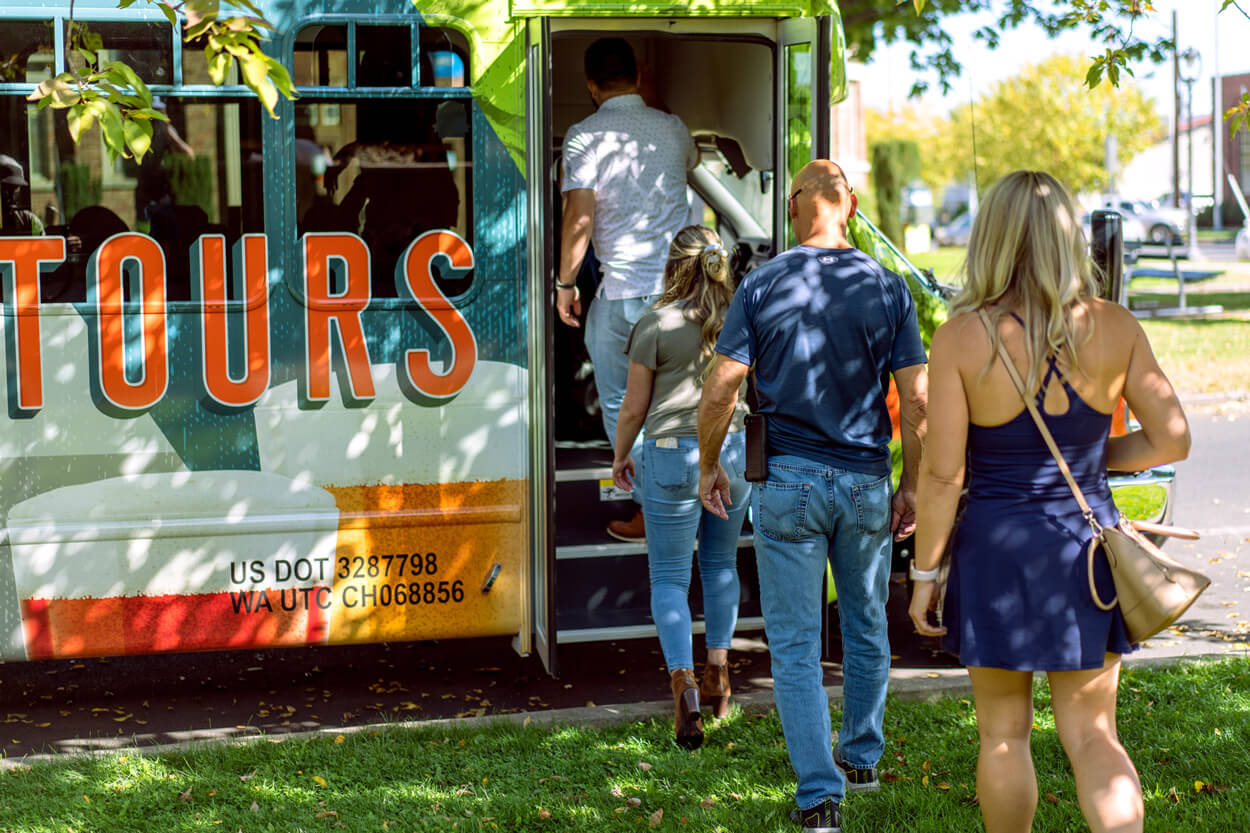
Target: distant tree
{"points": [[1044, 118], [927, 129], [1111, 23], [895, 164]]}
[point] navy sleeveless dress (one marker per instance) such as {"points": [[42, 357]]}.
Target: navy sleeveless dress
{"points": [[1018, 595]]}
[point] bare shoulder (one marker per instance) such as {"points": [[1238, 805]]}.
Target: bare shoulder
{"points": [[1115, 326], [961, 335]]}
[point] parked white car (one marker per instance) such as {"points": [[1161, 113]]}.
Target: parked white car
{"points": [[1243, 242], [1160, 222]]}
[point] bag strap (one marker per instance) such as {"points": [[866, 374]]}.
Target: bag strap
{"points": [[1086, 511]]}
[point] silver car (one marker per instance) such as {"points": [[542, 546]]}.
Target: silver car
{"points": [[1161, 223]]}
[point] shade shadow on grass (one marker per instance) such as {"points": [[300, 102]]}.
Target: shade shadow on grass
{"points": [[1185, 724]]}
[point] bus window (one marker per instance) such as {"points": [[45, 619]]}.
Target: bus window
{"points": [[320, 58], [202, 176], [25, 51], [386, 170], [444, 58], [383, 56], [146, 47]]}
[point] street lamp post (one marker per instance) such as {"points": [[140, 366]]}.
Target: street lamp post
{"points": [[1189, 69]]}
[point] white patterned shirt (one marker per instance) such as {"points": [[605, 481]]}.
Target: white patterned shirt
{"points": [[635, 159]]}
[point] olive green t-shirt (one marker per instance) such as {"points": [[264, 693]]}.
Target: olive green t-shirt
{"points": [[666, 339]]}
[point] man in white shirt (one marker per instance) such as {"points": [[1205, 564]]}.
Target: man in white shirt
{"points": [[625, 191]]}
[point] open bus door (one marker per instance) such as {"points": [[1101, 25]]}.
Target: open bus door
{"points": [[810, 79], [541, 267], [806, 46]]}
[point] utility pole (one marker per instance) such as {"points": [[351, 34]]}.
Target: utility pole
{"points": [[1176, 118], [1217, 133]]}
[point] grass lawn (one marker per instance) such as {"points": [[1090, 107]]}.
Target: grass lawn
{"points": [[1187, 727]]}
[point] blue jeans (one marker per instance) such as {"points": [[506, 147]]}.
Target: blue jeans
{"points": [[804, 514], [674, 519], [608, 324]]}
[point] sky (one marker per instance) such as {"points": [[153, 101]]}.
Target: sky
{"points": [[889, 77]]}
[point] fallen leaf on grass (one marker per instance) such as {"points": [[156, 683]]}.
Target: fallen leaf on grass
{"points": [[255, 807], [1172, 796], [634, 802], [707, 803], [186, 796], [326, 814], [735, 796], [248, 777], [320, 782], [544, 813], [656, 818], [1051, 798], [616, 793], [644, 766]]}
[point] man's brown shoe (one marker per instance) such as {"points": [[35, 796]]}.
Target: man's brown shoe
{"points": [[714, 691], [686, 718], [634, 530]]}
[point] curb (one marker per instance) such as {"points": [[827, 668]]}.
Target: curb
{"points": [[905, 684], [1214, 398]]}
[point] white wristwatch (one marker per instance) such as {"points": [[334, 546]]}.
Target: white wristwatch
{"points": [[924, 575]]}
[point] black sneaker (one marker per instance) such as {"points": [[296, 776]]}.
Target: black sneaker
{"points": [[857, 780], [825, 817]]}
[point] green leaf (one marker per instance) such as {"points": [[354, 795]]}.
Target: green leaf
{"points": [[60, 91], [114, 133], [79, 120], [1094, 76], [130, 78], [280, 77], [1226, 4], [256, 76], [219, 67], [125, 4], [251, 7], [138, 134], [148, 113], [169, 13]]}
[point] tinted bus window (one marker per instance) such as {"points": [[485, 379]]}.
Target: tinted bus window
{"points": [[320, 57], [444, 58], [202, 176], [386, 170], [25, 51], [146, 47], [383, 56]]}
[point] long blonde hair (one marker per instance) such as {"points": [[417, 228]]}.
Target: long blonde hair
{"points": [[698, 273], [1027, 251]]}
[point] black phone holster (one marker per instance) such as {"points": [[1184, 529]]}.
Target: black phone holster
{"points": [[756, 427]]}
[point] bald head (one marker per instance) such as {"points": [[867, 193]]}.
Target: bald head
{"points": [[821, 180], [821, 204]]}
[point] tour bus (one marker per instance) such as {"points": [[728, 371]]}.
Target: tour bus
{"points": [[298, 381]]}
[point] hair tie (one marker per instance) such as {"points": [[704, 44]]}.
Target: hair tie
{"points": [[713, 247]]}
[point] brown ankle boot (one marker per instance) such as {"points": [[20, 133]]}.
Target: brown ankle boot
{"points": [[715, 691], [686, 718]]}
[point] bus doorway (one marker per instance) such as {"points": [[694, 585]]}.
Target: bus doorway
{"points": [[747, 93]]}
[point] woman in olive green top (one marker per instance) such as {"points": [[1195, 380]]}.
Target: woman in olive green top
{"points": [[669, 349]]}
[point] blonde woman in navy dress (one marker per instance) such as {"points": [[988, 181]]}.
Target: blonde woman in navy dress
{"points": [[1018, 598]]}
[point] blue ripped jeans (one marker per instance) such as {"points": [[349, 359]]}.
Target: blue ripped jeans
{"points": [[675, 520], [805, 514]]}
